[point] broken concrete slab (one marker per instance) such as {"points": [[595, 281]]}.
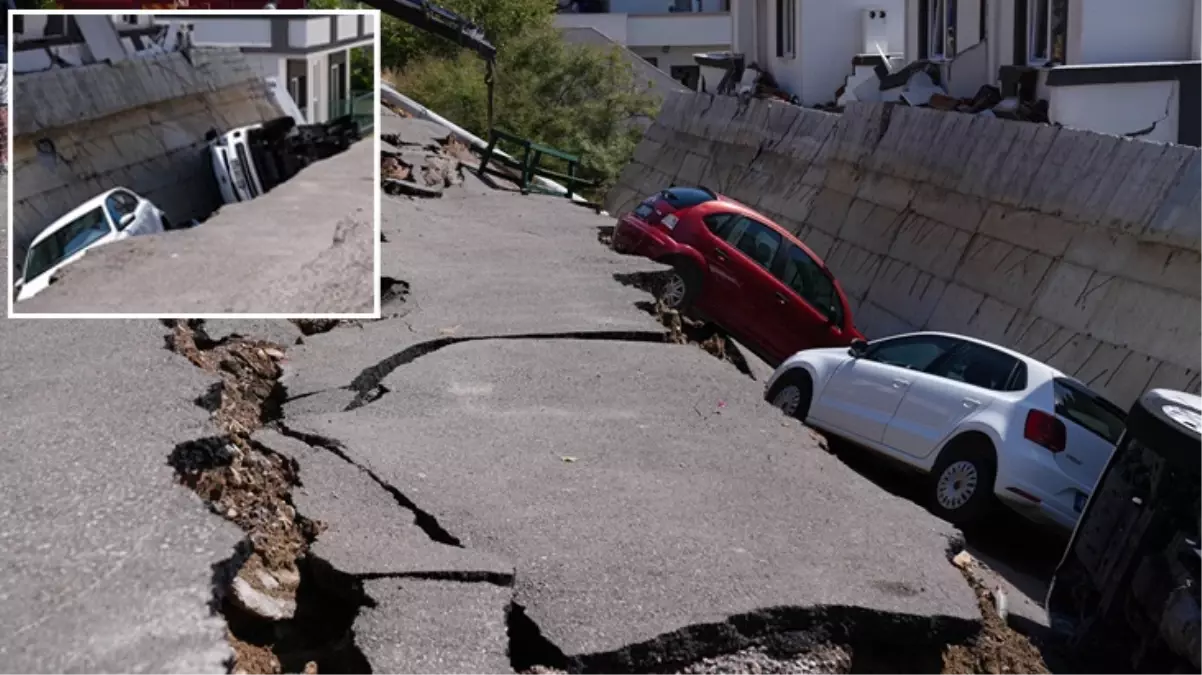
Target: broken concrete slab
{"points": [[680, 504], [435, 627], [369, 531], [541, 251]]}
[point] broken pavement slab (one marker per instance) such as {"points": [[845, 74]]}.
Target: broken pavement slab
{"points": [[435, 627], [370, 533], [541, 252], [666, 519]]}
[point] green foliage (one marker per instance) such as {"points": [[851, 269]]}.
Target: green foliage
{"points": [[501, 20], [580, 99]]}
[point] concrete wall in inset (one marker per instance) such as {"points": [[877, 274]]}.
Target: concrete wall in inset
{"points": [[1077, 248], [138, 124]]}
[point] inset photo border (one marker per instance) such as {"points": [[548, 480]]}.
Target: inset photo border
{"points": [[203, 164]]}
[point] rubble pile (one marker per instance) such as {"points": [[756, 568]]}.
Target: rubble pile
{"points": [[920, 85]]}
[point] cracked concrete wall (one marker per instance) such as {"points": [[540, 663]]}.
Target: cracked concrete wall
{"points": [[1077, 248], [138, 124]]}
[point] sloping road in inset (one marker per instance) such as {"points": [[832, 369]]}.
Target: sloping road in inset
{"points": [[306, 247]]}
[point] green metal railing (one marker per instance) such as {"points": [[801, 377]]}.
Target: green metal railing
{"points": [[361, 104]]}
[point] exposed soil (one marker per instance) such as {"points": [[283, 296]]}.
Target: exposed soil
{"points": [[683, 328], [996, 648], [279, 621], [391, 167]]}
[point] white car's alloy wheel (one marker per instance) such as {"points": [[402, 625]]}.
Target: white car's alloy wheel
{"points": [[957, 484], [788, 399], [674, 291]]}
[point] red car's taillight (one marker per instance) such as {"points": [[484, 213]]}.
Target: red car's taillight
{"points": [[1046, 430]]}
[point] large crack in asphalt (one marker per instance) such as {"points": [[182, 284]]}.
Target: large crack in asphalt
{"points": [[284, 612], [367, 384], [290, 611]]}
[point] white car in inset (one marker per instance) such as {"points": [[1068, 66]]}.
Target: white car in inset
{"points": [[113, 215], [981, 420]]}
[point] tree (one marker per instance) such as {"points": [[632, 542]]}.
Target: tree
{"points": [[581, 99]]}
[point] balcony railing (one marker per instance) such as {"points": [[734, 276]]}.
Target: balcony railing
{"points": [[360, 104]]}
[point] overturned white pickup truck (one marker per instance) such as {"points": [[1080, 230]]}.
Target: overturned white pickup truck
{"points": [[250, 161]]}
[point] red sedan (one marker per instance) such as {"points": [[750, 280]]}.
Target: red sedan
{"points": [[738, 269]]}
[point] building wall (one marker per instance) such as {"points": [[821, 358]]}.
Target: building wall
{"points": [[1120, 108], [612, 26], [675, 56], [1077, 248], [661, 6], [137, 130], [1121, 31], [831, 35]]}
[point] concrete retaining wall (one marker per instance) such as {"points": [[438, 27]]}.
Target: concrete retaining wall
{"points": [[138, 124], [1077, 248]]}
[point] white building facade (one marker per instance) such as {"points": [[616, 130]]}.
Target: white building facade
{"points": [[810, 47], [666, 33], [308, 55], [1111, 66]]}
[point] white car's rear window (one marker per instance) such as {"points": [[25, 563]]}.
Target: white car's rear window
{"points": [[1077, 403]]}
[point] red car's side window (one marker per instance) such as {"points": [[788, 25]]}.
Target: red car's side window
{"points": [[801, 274], [754, 240], [719, 223]]}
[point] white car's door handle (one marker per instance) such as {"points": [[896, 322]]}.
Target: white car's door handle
{"points": [[971, 403], [901, 384]]}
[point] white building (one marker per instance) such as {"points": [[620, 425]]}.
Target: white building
{"points": [[311, 55], [1114, 66], [810, 47], [666, 33]]}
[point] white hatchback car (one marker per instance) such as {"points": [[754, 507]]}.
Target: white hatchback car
{"points": [[109, 216], [981, 420]]}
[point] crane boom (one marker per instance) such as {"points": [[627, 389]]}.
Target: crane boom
{"points": [[426, 16]]}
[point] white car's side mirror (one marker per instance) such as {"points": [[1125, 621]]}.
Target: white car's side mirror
{"points": [[126, 220]]}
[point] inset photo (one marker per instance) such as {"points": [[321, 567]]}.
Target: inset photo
{"points": [[193, 164]]}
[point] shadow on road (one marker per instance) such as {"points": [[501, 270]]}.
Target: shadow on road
{"points": [[1022, 553]]}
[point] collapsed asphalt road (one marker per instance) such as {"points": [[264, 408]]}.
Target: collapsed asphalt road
{"points": [[516, 470], [304, 248]]}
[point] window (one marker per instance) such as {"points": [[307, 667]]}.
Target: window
{"points": [[689, 76], [755, 240], [1076, 403], [786, 28], [983, 367], [119, 204], [652, 60], [941, 29], [800, 273], [915, 352], [55, 26], [1039, 31], [70, 239], [719, 223]]}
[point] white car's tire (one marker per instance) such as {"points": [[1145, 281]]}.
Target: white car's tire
{"points": [[792, 393], [961, 484]]}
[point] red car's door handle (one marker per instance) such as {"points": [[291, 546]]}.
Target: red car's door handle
{"points": [[720, 255], [781, 299]]}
